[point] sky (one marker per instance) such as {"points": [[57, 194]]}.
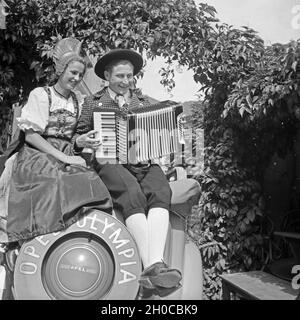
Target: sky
{"points": [[275, 21]]}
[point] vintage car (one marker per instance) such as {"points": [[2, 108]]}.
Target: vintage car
{"points": [[97, 258]]}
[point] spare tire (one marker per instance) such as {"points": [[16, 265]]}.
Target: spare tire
{"points": [[96, 258]]}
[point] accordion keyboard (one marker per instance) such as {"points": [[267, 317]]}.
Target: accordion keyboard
{"points": [[104, 123], [144, 134]]}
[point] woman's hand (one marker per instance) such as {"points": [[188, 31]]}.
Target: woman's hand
{"points": [[88, 140], [75, 160]]}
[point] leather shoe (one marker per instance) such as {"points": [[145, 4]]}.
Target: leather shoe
{"points": [[163, 292], [160, 275]]}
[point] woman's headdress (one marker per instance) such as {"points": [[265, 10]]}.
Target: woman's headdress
{"points": [[65, 51]]}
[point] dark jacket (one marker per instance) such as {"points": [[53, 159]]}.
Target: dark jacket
{"points": [[103, 100]]}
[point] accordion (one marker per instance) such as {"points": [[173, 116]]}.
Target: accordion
{"points": [[143, 134]]}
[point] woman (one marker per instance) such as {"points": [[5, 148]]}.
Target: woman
{"points": [[50, 188]]}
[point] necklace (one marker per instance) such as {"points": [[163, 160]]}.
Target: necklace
{"points": [[60, 94]]}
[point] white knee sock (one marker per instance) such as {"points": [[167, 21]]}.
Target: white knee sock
{"points": [[158, 225], [138, 227]]}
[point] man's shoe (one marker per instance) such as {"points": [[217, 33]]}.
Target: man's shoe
{"points": [[163, 292], [147, 294], [160, 275]]}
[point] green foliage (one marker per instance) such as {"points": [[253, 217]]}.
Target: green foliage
{"points": [[275, 79], [229, 206], [268, 101], [17, 50], [250, 113], [160, 28]]}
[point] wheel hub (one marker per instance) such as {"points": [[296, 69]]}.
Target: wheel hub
{"points": [[78, 268]]}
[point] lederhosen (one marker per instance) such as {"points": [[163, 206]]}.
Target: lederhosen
{"points": [[134, 189]]}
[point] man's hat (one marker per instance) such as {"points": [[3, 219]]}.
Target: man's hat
{"points": [[119, 54]]}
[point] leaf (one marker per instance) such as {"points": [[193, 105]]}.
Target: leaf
{"points": [[118, 42], [248, 99], [294, 65], [242, 111], [222, 263], [251, 215], [34, 64]]}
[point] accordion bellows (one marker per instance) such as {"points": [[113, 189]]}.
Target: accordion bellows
{"points": [[145, 133]]}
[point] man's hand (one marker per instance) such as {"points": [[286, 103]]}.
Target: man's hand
{"points": [[87, 140]]}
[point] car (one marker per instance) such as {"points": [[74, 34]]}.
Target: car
{"points": [[97, 258]]}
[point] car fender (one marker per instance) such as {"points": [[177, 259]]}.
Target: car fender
{"points": [[72, 264]]}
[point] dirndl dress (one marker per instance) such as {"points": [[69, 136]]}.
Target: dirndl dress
{"points": [[45, 194]]}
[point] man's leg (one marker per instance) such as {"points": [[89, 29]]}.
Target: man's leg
{"points": [[138, 226], [158, 193], [129, 199], [158, 225], [159, 276], [124, 189]]}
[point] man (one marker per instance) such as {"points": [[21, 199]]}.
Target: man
{"points": [[140, 192]]}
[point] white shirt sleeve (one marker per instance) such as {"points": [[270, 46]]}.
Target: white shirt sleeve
{"points": [[35, 113]]}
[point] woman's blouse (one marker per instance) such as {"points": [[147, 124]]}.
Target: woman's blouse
{"points": [[58, 121]]}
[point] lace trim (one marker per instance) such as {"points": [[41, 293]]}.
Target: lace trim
{"points": [[25, 124]]}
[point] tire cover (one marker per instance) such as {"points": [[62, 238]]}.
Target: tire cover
{"points": [[95, 258]]}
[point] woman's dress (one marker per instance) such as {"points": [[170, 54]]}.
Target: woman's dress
{"points": [[45, 194]]}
